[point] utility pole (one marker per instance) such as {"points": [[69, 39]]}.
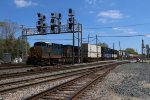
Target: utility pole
{"points": [[89, 44], [22, 27], [73, 43], [88, 38], [147, 51], [79, 46], [113, 49], [72, 27], [120, 51], [26, 46], [142, 50], [97, 46], [18, 48]]}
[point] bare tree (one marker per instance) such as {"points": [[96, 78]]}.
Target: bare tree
{"points": [[9, 29], [7, 33], [1, 29]]}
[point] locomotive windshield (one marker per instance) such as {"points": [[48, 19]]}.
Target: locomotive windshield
{"points": [[41, 44]]}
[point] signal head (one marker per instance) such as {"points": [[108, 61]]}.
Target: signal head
{"points": [[70, 11], [59, 15], [70, 26], [52, 20], [38, 28], [70, 19], [44, 17], [52, 27], [43, 30], [53, 15], [38, 22], [39, 14], [44, 25]]}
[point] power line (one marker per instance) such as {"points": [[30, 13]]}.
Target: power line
{"points": [[132, 25], [52, 39], [126, 35]]}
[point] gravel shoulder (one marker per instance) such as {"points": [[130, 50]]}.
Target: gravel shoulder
{"points": [[16, 70], [126, 82]]}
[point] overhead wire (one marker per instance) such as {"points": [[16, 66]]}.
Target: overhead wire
{"points": [[119, 26], [55, 39], [126, 35]]}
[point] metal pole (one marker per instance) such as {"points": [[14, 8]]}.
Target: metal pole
{"points": [[22, 43], [97, 46], [120, 54], [18, 48], [113, 50], [88, 38], [142, 49], [147, 51], [81, 46], [78, 44], [6, 43], [73, 44], [26, 47]]}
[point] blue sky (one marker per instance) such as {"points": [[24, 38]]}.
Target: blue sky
{"points": [[95, 15]]}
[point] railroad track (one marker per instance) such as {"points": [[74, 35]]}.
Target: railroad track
{"points": [[73, 89], [15, 67], [11, 65], [30, 82], [47, 69]]}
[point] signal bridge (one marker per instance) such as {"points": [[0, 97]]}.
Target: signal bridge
{"points": [[55, 28], [61, 29]]}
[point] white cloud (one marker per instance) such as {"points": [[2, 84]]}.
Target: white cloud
{"points": [[124, 30], [113, 14], [110, 16], [148, 35], [24, 3]]}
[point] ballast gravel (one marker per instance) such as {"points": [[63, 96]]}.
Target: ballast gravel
{"points": [[24, 93], [16, 70], [126, 82]]}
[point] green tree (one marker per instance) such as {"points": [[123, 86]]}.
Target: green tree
{"points": [[131, 51], [103, 44], [8, 41]]}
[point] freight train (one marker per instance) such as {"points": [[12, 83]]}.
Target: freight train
{"points": [[43, 53]]}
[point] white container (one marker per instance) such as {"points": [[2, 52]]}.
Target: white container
{"points": [[91, 51]]}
